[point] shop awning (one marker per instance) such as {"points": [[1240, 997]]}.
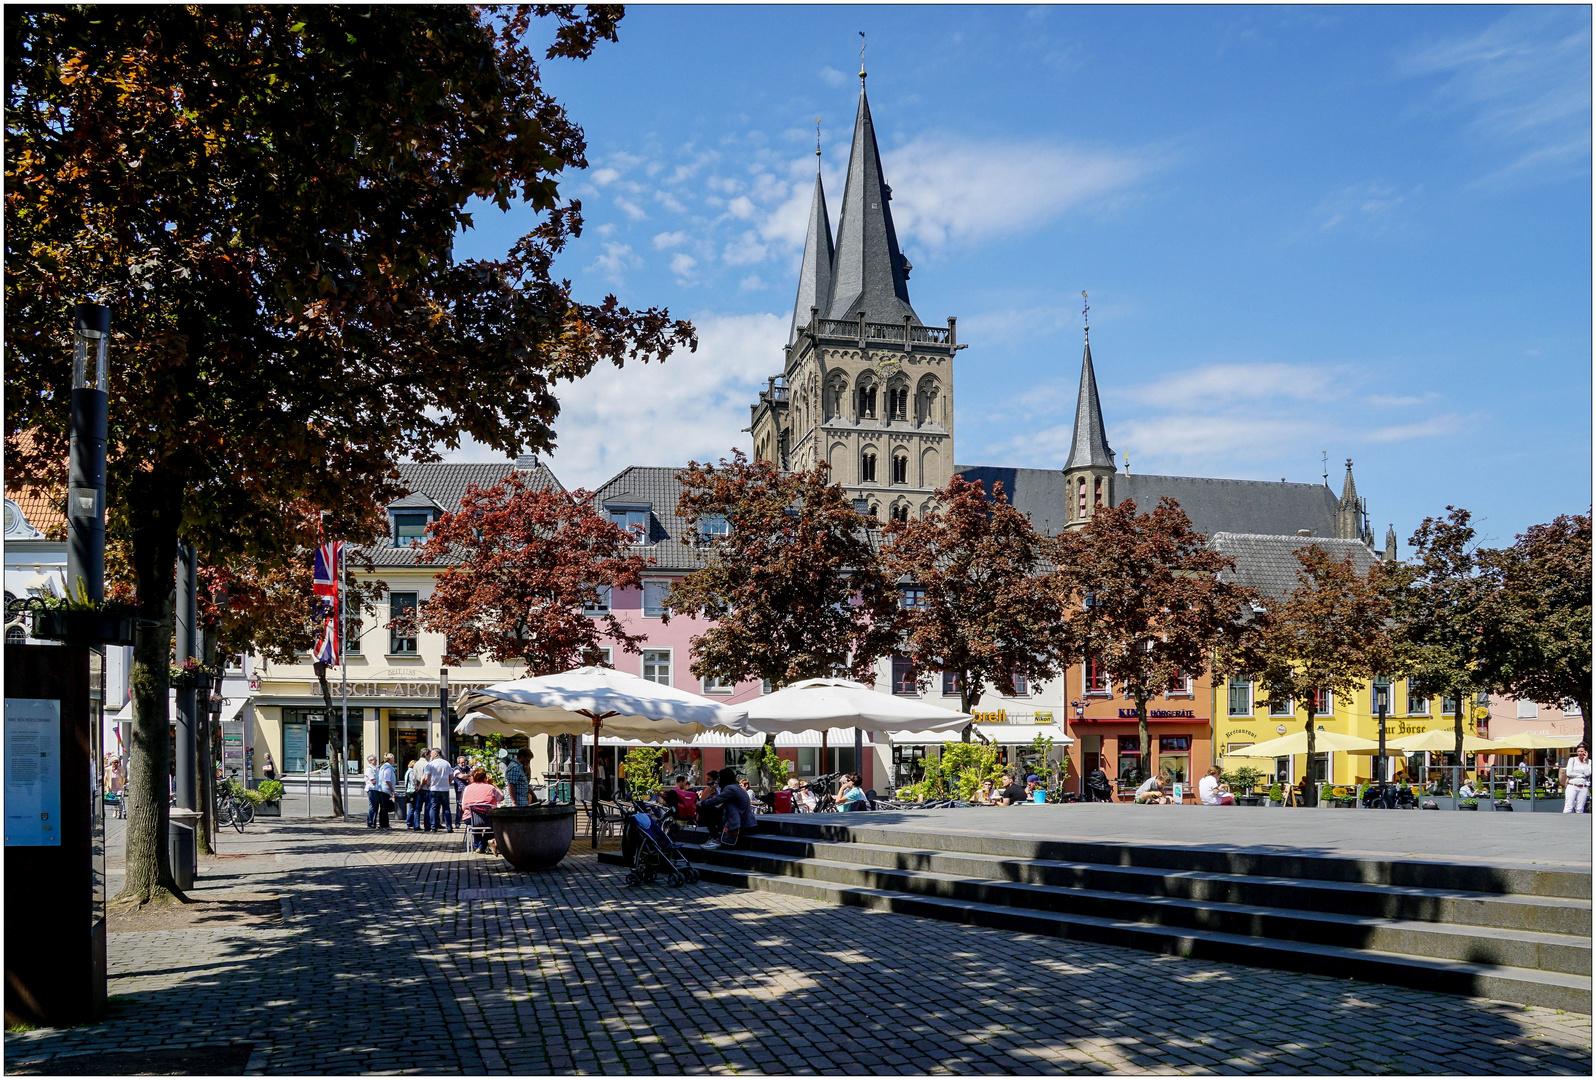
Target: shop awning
{"points": [[231, 707], [1001, 734]]}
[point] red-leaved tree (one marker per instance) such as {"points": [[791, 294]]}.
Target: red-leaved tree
{"points": [[982, 601], [520, 565]]}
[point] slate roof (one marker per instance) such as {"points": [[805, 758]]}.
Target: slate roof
{"points": [[657, 488], [443, 484], [1269, 563], [870, 273], [1090, 443], [1214, 506], [814, 276]]}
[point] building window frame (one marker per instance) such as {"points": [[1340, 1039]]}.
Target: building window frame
{"points": [[950, 684], [867, 467], [1239, 697], [658, 663], [398, 604], [1094, 680], [715, 687], [904, 681], [655, 590], [601, 606], [900, 468]]}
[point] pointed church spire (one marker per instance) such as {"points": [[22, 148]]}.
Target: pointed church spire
{"points": [[1090, 445], [814, 277], [870, 274], [1390, 543], [1349, 490]]}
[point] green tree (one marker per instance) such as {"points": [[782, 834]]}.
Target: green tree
{"points": [[984, 604], [966, 764], [1538, 614], [645, 773], [268, 197]]}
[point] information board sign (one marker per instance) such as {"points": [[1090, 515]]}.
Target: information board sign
{"points": [[33, 772]]}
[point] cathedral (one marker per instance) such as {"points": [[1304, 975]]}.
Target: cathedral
{"points": [[867, 388]]}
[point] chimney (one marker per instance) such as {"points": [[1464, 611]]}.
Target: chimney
{"points": [[1304, 532], [526, 462]]}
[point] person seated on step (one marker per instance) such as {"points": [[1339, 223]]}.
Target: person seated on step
{"points": [[1098, 788], [1012, 792], [1211, 791], [984, 795], [804, 800], [852, 796], [1152, 792], [736, 809], [682, 800], [1033, 784]]}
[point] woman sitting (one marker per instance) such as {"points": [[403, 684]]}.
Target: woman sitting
{"points": [[479, 796], [1211, 791], [804, 800], [851, 796], [985, 795]]}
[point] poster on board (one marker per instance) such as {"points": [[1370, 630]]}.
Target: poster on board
{"points": [[33, 772]]}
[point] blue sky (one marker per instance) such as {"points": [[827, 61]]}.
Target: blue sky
{"points": [[1363, 230]]}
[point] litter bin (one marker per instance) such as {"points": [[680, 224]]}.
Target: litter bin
{"points": [[181, 839]]}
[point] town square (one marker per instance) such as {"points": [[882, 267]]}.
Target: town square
{"points": [[577, 540]]}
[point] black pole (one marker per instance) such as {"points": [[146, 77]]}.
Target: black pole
{"points": [[91, 335], [187, 648], [1380, 699]]}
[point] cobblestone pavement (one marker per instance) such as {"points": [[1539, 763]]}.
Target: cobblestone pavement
{"points": [[399, 952]]}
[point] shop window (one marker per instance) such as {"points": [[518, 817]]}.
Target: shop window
{"points": [[1174, 758], [1130, 764], [950, 683], [657, 666], [308, 738], [903, 680], [401, 605], [1096, 679], [1240, 697]]}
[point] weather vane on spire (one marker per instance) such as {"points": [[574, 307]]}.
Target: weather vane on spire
{"points": [[861, 56], [817, 136], [1086, 319]]}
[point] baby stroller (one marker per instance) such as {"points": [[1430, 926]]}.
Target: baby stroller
{"points": [[653, 850]]}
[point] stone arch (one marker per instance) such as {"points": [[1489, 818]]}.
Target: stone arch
{"points": [[927, 398], [867, 390], [837, 458], [836, 395], [896, 406], [931, 467]]}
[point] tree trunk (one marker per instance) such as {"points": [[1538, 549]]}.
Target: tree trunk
{"points": [[1144, 741], [968, 700], [148, 862], [1310, 790], [1584, 716], [335, 745]]}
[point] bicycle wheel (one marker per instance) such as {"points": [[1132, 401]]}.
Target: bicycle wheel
{"points": [[245, 813], [224, 813]]}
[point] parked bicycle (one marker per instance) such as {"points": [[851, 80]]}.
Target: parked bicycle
{"points": [[232, 806]]}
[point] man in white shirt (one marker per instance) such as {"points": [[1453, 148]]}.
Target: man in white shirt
{"points": [[416, 812], [385, 784], [1578, 770], [439, 774]]}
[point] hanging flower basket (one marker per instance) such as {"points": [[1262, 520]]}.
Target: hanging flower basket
{"points": [[106, 626]]}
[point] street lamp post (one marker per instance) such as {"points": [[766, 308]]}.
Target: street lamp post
{"points": [[1381, 698], [91, 337]]}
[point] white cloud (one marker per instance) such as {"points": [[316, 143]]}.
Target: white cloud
{"points": [[948, 189], [744, 250], [1365, 204], [630, 209], [683, 264], [605, 176], [665, 240], [1397, 401], [751, 283], [1429, 428], [832, 76], [1221, 383], [615, 261], [742, 207], [691, 407], [670, 202]]}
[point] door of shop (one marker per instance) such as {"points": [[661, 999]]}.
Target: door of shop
{"points": [[407, 736]]}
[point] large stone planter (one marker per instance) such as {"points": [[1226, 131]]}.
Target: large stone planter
{"points": [[533, 837]]}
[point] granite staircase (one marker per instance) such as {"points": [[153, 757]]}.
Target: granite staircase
{"points": [[1519, 935]]}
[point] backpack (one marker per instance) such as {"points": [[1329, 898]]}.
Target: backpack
{"points": [[686, 804]]}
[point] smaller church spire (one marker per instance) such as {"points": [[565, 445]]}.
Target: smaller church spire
{"points": [[814, 274], [1349, 489], [1090, 444], [1390, 543]]}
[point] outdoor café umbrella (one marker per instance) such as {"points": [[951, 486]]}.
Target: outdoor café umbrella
{"points": [[1529, 740], [820, 704], [1441, 740], [1297, 743], [573, 702]]}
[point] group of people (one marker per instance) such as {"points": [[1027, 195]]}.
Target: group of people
{"points": [[430, 781], [1011, 793], [724, 806]]}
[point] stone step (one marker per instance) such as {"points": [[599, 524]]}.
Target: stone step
{"points": [[1216, 859], [1552, 915], [1550, 989], [1566, 953]]}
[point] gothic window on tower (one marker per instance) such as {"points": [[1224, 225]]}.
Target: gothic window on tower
{"points": [[836, 394], [900, 513], [900, 469], [867, 402], [1080, 487], [1097, 492], [926, 400], [898, 403], [867, 469]]}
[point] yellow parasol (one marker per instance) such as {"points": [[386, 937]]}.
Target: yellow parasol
{"points": [[1297, 743], [1442, 740]]}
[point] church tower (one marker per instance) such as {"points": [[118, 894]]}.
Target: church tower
{"points": [[866, 387], [1352, 513], [1089, 472]]}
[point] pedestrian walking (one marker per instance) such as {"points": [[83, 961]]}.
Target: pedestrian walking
{"points": [[460, 780], [416, 788], [374, 794], [385, 784], [516, 784], [1578, 771], [439, 777], [269, 770]]}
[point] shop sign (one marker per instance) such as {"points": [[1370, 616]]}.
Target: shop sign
{"points": [[418, 689], [1001, 716], [1159, 714]]}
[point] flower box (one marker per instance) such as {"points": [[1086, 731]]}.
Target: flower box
{"points": [[113, 626]]}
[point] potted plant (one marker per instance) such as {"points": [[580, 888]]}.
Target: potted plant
{"points": [[1468, 804], [268, 798], [1277, 795], [77, 620]]}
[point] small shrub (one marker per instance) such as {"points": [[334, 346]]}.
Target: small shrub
{"points": [[270, 791], [1276, 793]]}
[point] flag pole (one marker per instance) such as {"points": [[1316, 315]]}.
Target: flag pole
{"points": [[343, 670]]}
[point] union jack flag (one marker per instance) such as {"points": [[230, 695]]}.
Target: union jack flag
{"points": [[324, 584]]}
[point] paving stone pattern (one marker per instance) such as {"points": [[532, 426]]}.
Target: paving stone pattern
{"points": [[400, 952]]}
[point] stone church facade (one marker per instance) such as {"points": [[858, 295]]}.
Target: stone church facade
{"points": [[865, 387]]}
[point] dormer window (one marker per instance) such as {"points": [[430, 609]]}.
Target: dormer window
{"points": [[714, 525], [633, 521], [410, 527]]}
